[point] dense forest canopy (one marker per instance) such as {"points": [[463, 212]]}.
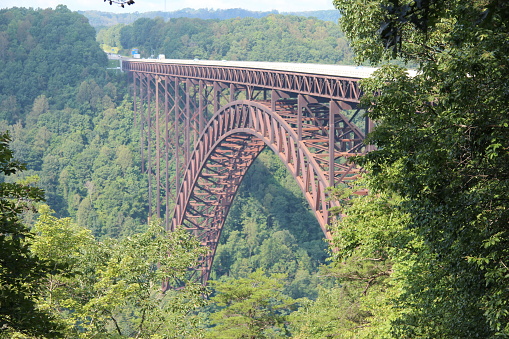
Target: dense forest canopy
{"points": [[104, 19], [71, 121], [62, 108], [271, 38], [47, 51]]}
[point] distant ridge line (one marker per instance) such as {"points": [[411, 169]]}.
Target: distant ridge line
{"points": [[103, 19]]}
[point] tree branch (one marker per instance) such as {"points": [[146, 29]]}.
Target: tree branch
{"points": [[116, 325]]}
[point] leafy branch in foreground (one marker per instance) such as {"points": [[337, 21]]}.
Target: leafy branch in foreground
{"points": [[114, 287], [442, 140], [21, 272]]}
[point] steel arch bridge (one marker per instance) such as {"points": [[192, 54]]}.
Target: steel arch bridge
{"points": [[203, 123]]}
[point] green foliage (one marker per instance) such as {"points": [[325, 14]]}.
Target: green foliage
{"points": [[334, 314], [284, 38], [371, 245], [21, 272], [87, 160], [103, 19], [110, 37], [442, 138], [68, 121], [114, 287], [252, 307], [43, 52]]}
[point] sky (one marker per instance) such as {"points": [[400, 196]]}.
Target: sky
{"points": [[173, 5]]}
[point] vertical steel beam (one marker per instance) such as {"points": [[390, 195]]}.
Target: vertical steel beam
{"points": [[142, 123], [300, 107], [273, 99], [232, 92], [166, 156], [217, 97], [158, 150], [149, 144], [201, 108], [187, 130], [177, 132], [333, 110], [249, 93], [135, 110]]}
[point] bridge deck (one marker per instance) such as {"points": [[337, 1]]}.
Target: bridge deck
{"points": [[357, 72]]}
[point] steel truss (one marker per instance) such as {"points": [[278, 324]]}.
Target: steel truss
{"points": [[200, 132]]}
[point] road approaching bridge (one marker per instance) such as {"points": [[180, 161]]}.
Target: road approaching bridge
{"points": [[203, 123]]}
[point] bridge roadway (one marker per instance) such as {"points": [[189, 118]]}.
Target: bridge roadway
{"points": [[357, 72], [203, 123]]}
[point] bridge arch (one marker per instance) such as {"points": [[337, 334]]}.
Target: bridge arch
{"points": [[190, 111], [227, 147]]}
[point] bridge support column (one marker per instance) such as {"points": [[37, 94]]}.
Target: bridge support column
{"points": [[167, 188], [157, 213], [333, 111]]}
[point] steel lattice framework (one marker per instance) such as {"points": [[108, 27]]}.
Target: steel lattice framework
{"points": [[203, 126]]}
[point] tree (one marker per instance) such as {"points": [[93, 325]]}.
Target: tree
{"points": [[285, 38], [46, 52], [372, 247], [21, 271], [443, 148], [113, 287], [334, 314], [252, 307]]}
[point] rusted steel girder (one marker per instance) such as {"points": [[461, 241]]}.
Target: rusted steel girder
{"points": [[212, 130], [332, 87]]}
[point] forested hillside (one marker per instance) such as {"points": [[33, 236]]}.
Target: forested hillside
{"points": [[104, 19], [44, 52], [68, 121], [271, 38], [71, 121]]}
